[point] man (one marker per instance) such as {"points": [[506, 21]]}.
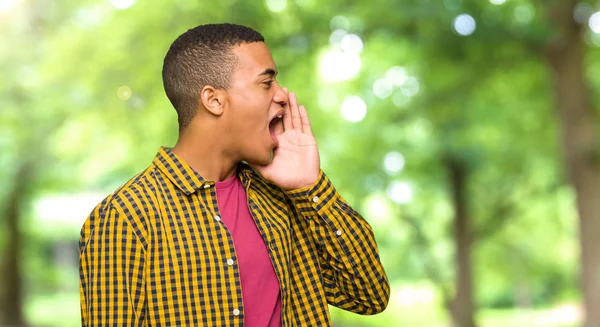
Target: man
{"points": [[236, 225]]}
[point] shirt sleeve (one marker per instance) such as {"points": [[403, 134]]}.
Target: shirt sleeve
{"points": [[111, 267], [353, 276]]}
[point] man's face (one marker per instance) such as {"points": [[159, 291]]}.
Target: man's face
{"points": [[255, 102]]}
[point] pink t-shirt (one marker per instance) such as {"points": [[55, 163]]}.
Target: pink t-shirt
{"points": [[260, 287]]}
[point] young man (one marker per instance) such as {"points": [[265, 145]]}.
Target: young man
{"points": [[200, 238]]}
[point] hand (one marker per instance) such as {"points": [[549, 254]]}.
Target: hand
{"points": [[295, 161]]}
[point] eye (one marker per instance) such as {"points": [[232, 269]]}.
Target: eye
{"points": [[269, 82]]}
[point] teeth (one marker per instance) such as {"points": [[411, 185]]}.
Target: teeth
{"points": [[279, 116]]}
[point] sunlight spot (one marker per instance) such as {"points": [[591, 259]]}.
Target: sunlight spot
{"points": [[340, 23], [124, 92], [335, 39], [354, 109], [400, 192], [276, 5], [400, 100], [408, 296], [393, 162], [65, 210], [382, 88], [565, 314], [524, 14], [411, 87], [397, 75], [137, 102], [122, 4], [92, 17], [351, 43], [5, 5], [594, 22], [340, 66], [497, 2], [464, 24], [378, 209], [582, 12]]}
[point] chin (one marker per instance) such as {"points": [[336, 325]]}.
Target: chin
{"points": [[261, 160]]}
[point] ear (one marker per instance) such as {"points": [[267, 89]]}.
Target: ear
{"points": [[213, 99]]}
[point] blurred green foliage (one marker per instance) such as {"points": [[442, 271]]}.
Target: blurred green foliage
{"points": [[81, 102]]}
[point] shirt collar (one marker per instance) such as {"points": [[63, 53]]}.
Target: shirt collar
{"points": [[186, 178], [179, 172]]}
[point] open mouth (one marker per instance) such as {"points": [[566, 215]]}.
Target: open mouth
{"points": [[272, 125]]}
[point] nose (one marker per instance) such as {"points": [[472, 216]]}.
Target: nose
{"points": [[281, 96]]}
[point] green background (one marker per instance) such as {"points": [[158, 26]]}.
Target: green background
{"points": [[401, 96]]}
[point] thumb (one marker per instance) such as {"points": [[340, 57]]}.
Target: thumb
{"points": [[261, 169]]}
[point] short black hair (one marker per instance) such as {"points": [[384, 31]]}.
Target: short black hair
{"points": [[199, 57]]}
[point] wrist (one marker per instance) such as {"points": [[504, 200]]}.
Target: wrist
{"points": [[309, 183]]}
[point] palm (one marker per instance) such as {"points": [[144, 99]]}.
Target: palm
{"points": [[295, 161]]}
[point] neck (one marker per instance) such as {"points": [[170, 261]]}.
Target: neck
{"points": [[206, 153]]}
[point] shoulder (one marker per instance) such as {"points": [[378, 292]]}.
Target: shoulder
{"points": [[133, 203]]}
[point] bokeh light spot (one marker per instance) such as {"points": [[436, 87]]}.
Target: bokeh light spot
{"points": [[411, 87], [382, 88], [523, 14], [352, 43], [464, 24], [340, 23], [124, 92], [393, 162], [122, 4], [582, 12], [276, 5], [340, 66], [396, 75], [354, 109], [594, 22], [400, 192], [5, 5]]}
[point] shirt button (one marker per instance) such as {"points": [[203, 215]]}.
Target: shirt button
{"points": [[218, 218], [236, 312], [315, 199], [230, 262], [338, 232], [206, 185]]}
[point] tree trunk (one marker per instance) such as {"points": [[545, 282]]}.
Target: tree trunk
{"points": [[462, 308], [566, 55], [11, 312]]}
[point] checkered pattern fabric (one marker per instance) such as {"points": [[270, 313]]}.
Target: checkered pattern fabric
{"points": [[156, 253]]}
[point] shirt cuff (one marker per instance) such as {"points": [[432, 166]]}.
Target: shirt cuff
{"points": [[318, 198]]}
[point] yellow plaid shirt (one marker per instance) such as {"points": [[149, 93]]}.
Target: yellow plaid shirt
{"points": [[156, 253]]}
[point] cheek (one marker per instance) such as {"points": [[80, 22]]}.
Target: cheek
{"points": [[248, 124], [250, 115]]}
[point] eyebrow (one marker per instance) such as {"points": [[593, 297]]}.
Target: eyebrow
{"points": [[269, 71]]}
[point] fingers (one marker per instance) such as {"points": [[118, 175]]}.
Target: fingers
{"points": [[294, 116], [305, 122], [296, 120], [287, 114]]}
